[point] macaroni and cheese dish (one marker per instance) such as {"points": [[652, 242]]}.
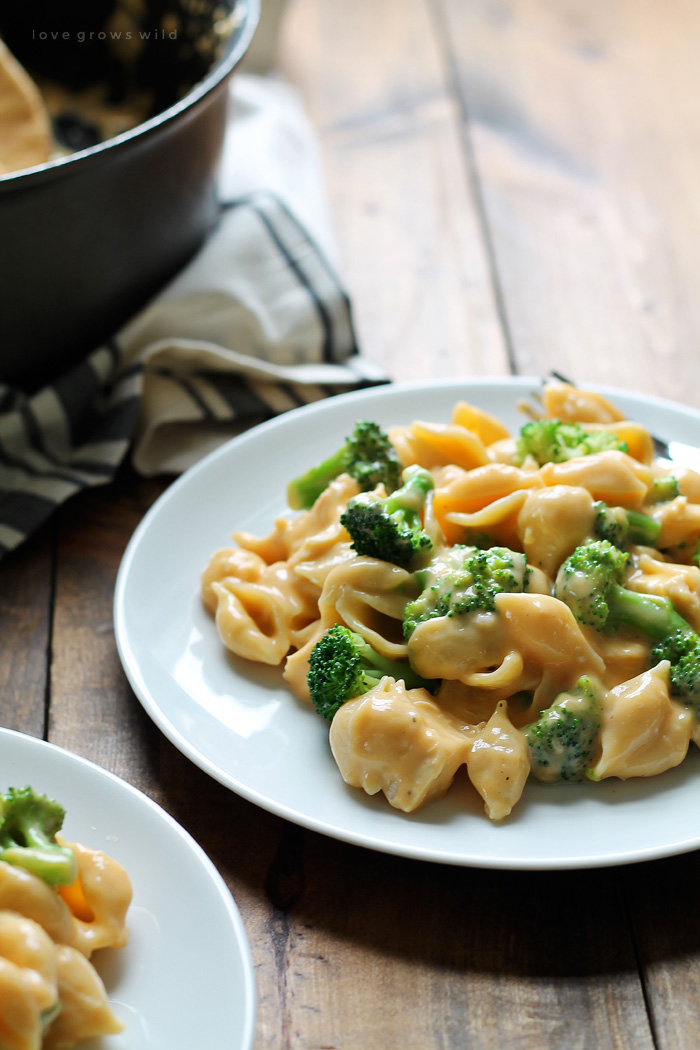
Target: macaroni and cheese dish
{"points": [[505, 605], [51, 996]]}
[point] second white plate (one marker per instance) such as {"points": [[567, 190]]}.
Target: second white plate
{"points": [[186, 977], [238, 722]]}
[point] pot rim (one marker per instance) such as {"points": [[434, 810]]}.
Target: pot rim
{"points": [[61, 166]]}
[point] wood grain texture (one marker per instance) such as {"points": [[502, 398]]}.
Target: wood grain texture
{"points": [[25, 623], [408, 229], [666, 921], [514, 185], [583, 123], [379, 951], [93, 711]]}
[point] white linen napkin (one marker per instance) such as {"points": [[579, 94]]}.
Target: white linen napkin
{"points": [[256, 324]]}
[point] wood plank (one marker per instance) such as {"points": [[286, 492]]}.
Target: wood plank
{"points": [[582, 119], [400, 198], [379, 951], [93, 711], [25, 614], [667, 925]]}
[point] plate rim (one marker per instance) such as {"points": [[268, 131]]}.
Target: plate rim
{"points": [[459, 387]]}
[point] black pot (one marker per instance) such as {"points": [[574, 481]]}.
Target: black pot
{"points": [[87, 240]]}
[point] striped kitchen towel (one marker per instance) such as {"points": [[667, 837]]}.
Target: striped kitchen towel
{"points": [[258, 323]]}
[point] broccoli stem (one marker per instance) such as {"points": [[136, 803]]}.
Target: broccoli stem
{"points": [[642, 529], [386, 667], [653, 615], [367, 455], [665, 488], [28, 826], [619, 526], [303, 492], [411, 496], [590, 582], [53, 864]]}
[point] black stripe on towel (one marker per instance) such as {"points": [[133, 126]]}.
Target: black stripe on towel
{"points": [[243, 401], [304, 280], [326, 319], [345, 298], [24, 511], [187, 388]]}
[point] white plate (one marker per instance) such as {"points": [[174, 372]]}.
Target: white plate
{"points": [[239, 723], [186, 977]]}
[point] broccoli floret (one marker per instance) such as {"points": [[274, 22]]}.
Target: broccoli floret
{"points": [[562, 742], [590, 582], [390, 528], [664, 489], [28, 826], [620, 526], [464, 580], [343, 665], [682, 649], [551, 441], [367, 455]]}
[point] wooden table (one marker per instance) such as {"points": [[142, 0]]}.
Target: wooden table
{"points": [[516, 187]]}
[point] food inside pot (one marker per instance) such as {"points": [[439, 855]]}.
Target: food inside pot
{"points": [[25, 130], [75, 75]]}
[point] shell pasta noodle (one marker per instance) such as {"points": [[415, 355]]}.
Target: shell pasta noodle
{"points": [[59, 902], [477, 603]]}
